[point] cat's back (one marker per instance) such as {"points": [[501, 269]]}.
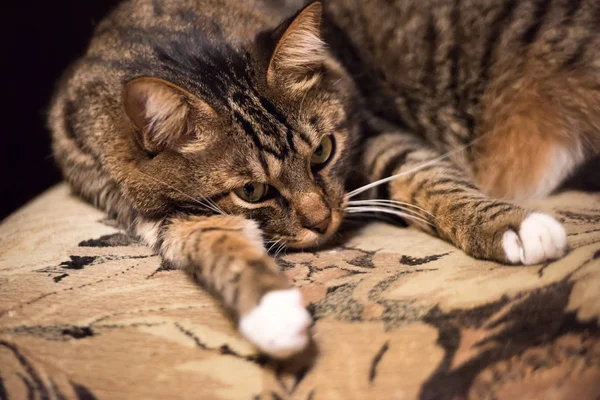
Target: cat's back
{"points": [[431, 54], [151, 20], [137, 29]]}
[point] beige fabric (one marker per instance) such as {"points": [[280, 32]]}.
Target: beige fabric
{"points": [[86, 313]]}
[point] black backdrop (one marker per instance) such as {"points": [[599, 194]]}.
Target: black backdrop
{"points": [[38, 40]]}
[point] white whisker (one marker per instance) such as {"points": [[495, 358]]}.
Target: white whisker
{"points": [[302, 102], [275, 243], [397, 207], [214, 208], [215, 205], [415, 169], [391, 203], [210, 201], [280, 249], [354, 210]]}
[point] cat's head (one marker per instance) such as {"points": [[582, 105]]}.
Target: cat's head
{"points": [[271, 140]]}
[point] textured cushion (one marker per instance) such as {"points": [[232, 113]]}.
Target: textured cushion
{"points": [[86, 312]]}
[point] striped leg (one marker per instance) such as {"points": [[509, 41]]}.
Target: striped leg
{"points": [[483, 227], [226, 253]]}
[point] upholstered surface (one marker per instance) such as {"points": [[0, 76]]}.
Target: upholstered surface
{"points": [[86, 312]]}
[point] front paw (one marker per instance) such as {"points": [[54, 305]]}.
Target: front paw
{"points": [[279, 324], [540, 238]]}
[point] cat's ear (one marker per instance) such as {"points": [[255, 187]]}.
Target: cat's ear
{"points": [[163, 113], [300, 52]]}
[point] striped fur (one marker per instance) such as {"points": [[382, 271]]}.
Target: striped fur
{"points": [[176, 104]]}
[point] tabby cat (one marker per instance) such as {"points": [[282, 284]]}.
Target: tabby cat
{"points": [[213, 127]]}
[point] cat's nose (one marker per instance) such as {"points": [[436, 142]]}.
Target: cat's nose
{"points": [[322, 226]]}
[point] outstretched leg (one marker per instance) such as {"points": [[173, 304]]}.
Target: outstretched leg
{"points": [[226, 253], [483, 227]]}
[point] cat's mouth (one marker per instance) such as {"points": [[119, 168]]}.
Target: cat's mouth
{"points": [[308, 238]]}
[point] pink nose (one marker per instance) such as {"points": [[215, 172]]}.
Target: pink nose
{"points": [[322, 226]]}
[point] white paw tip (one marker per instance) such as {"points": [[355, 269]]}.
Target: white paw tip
{"points": [[279, 324], [512, 246], [540, 238]]}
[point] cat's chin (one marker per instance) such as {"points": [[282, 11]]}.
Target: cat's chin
{"points": [[306, 239]]}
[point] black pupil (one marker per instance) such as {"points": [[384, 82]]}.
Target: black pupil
{"points": [[249, 190], [319, 151]]}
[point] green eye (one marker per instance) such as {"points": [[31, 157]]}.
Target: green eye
{"points": [[323, 152], [252, 192]]}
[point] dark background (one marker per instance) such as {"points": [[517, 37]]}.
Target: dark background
{"points": [[38, 40]]}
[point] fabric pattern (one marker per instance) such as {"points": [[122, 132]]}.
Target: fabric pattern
{"points": [[88, 313]]}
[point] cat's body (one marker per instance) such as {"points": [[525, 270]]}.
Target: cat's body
{"points": [[208, 125], [524, 74]]}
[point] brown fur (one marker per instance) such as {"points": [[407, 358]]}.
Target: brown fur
{"points": [[526, 123], [232, 248], [178, 104]]}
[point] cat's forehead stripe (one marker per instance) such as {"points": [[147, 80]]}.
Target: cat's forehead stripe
{"points": [[267, 127]]}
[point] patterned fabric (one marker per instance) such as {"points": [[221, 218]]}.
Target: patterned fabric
{"points": [[86, 313]]}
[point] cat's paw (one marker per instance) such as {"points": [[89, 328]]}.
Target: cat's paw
{"points": [[540, 238], [279, 324]]}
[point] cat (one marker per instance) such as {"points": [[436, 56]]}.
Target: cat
{"points": [[212, 128]]}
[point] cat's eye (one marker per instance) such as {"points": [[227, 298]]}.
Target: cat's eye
{"points": [[253, 192], [323, 152]]}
